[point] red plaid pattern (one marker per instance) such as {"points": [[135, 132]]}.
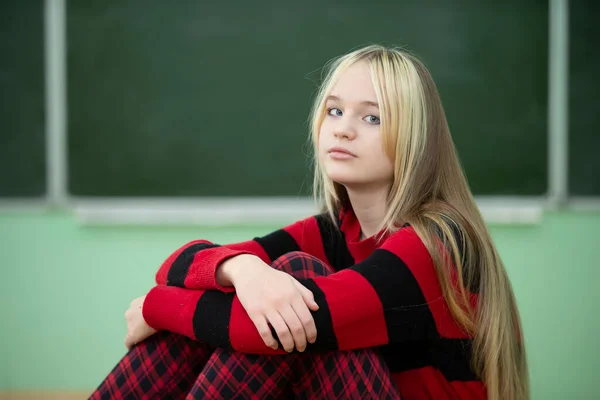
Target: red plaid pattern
{"points": [[359, 374], [164, 366], [356, 375], [171, 366], [231, 375]]}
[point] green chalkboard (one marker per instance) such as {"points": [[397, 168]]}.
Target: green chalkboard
{"points": [[22, 140], [584, 99], [211, 98]]}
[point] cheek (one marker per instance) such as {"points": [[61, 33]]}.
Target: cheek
{"points": [[322, 140], [379, 158], [388, 168]]}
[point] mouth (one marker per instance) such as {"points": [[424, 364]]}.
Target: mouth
{"points": [[341, 153]]}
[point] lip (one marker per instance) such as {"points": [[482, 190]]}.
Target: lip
{"points": [[341, 150]]}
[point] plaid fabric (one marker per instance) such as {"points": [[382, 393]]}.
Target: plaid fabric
{"points": [[301, 265], [171, 366], [164, 366], [359, 374], [232, 375], [349, 375]]}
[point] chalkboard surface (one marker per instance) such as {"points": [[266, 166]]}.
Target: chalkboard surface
{"points": [[22, 136], [584, 99], [212, 99]]}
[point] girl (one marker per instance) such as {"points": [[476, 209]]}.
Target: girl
{"points": [[396, 290]]}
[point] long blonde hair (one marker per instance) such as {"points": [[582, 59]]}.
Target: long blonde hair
{"points": [[430, 193]]}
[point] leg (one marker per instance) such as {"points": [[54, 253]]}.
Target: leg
{"points": [[167, 364], [357, 374], [231, 375], [164, 366]]}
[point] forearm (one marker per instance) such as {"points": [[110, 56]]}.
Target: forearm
{"points": [[194, 265], [355, 316]]}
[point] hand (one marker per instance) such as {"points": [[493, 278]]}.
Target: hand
{"points": [[137, 328], [273, 297]]}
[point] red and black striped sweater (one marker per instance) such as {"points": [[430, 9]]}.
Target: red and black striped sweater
{"points": [[384, 295]]}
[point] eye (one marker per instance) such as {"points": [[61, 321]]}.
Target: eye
{"points": [[372, 119], [335, 112]]}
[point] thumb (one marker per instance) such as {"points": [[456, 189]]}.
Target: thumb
{"points": [[307, 295]]}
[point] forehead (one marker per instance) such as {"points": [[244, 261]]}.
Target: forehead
{"points": [[354, 84]]}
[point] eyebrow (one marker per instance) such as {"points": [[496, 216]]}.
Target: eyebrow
{"points": [[367, 103]]}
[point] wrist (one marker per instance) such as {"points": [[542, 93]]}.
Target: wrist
{"points": [[169, 308], [230, 269]]}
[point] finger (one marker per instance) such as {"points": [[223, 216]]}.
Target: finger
{"points": [[307, 296], [295, 326], [282, 330], [307, 321], [265, 333], [128, 342]]}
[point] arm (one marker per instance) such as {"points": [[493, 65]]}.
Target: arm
{"points": [[194, 265], [392, 296]]}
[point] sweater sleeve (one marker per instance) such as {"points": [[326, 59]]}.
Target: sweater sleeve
{"points": [[194, 265], [392, 296]]}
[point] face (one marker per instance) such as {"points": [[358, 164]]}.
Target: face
{"points": [[350, 140]]}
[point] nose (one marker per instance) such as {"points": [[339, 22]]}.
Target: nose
{"points": [[344, 129]]}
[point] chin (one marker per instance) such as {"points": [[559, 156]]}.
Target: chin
{"points": [[344, 173], [342, 178]]}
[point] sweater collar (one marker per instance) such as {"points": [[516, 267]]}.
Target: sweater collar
{"points": [[350, 226]]}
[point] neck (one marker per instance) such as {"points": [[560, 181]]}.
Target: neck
{"points": [[370, 207]]}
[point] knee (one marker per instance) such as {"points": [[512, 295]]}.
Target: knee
{"points": [[301, 265]]}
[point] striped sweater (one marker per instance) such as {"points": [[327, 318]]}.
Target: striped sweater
{"points": [[384, 294]]}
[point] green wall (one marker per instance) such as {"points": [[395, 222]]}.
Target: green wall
{"points": [[65, 288]]}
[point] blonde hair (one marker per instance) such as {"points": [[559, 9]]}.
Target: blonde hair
{"points": [[430, 193]]}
